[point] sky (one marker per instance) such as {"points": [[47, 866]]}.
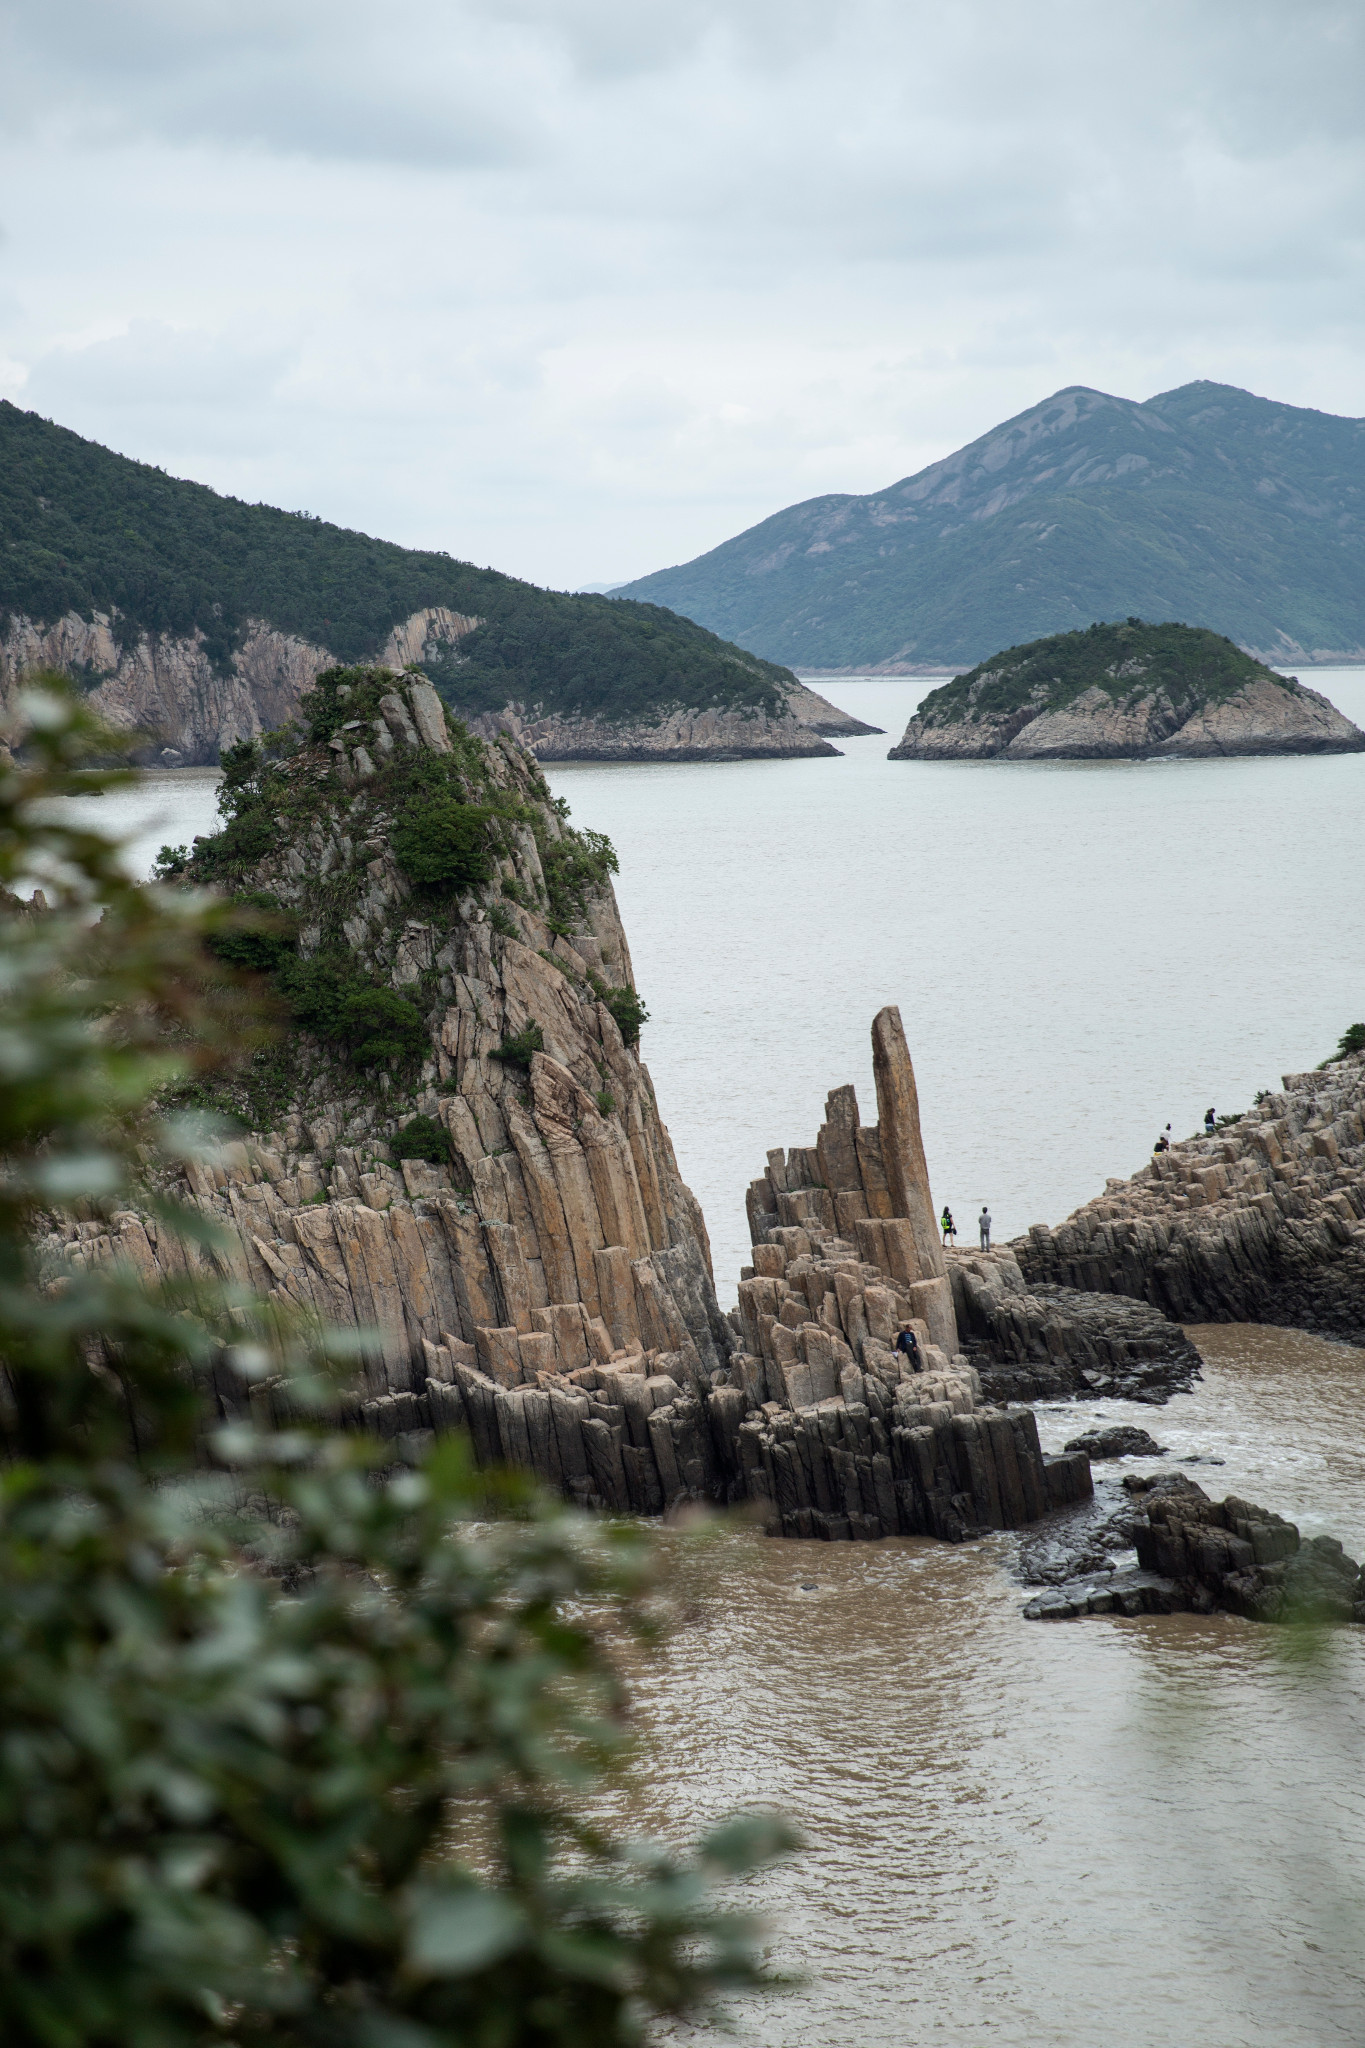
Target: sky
{"points": [[580, 288]]}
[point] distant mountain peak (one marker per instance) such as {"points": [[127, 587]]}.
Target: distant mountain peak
{"points": [[1205, 502]]}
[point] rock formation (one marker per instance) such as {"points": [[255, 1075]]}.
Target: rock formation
{"points": [[1035, 1342], [1194, 1555], [168, 687], [1119, 693], [841, 1437], [1262, 1222]]}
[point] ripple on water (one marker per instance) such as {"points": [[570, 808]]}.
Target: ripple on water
{"points": [[1138, 1831]]}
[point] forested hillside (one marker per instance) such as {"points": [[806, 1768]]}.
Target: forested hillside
{"points": [[1205, 503], [83, 530]]}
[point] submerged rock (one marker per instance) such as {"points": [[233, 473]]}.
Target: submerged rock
{"points": [[1118, 1441]]}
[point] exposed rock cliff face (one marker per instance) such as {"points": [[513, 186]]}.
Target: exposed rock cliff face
{"points": [[1032, 1343], [1260, 1223], [167, 687], [841, 1436], [711, 735]]}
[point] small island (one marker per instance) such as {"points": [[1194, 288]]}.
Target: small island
{"points": [[1124, 692]]}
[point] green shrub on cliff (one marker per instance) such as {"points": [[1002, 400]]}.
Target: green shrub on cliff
{"points": [[331, 996], [423, 1137], [1352, 1041], [442, 844], [294, 1749]]}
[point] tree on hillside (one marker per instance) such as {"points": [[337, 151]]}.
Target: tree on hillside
{"points": [[294, 1749]]}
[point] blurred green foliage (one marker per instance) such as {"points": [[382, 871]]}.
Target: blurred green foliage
{"points": [[295, 1749]]}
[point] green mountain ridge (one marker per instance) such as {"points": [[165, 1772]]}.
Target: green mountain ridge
{"points": [[1203, 503], [86, 531]]}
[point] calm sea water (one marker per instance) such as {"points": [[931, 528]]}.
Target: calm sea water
{"points": [[1138, 1832]]}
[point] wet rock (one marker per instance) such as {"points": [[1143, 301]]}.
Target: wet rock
{"points": [[1118, 1441], [1033, 1342]]}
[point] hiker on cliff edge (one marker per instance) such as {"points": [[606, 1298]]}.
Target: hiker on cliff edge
{"points": [[984, 1222], [1208, 1123], [908, 1343], [946, 1224]]}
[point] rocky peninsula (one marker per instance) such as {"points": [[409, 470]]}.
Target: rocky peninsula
{"points": [[1263, 1220], [1123, 692]]}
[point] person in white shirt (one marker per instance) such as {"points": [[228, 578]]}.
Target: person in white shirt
{"points": [[985, 1221]]}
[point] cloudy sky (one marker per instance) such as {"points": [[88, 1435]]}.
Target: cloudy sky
{"points": [[581, 287]]}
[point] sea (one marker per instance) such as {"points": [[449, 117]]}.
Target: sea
{"points": [[1136, 1831]]}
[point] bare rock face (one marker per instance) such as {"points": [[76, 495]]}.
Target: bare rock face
{"points": [[1035, 1342], [841, 1434], [1264, 1221], [710, 735], [167, 687]]}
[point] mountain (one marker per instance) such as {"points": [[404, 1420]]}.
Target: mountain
{"points": [[1204, 503], [201, 619], [1123, 693]]}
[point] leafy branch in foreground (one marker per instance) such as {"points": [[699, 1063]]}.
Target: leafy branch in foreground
{"points": [[294, 1749]]}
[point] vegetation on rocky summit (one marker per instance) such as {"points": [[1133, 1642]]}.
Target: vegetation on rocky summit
{"points": [[452, 829], [84, 530], [1192, 665], [299, 1746], [1352, 1041]]}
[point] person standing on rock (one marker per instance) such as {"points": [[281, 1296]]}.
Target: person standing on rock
{"points": [[984, 1221], [946, 1224], [1208, 1123], [908, 1343]]}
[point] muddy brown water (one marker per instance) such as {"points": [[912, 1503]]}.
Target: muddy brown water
{"points": [[1139, 1832]]}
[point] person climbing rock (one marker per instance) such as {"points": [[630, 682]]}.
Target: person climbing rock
{"points": [[908, 1343], [984, 1223], [1209, 1121]]}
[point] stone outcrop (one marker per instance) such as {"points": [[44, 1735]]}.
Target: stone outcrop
{"points": [[1264, 1221], [1036, 1342], [825, 718], [679, 735], [1269, 716], [168, 687], [840, 1436], [1194, 1555]]}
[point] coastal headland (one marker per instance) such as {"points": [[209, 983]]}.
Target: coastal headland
{"points": [[459, 1148]]}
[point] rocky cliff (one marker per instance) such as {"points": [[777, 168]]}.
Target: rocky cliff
{"points": [[193, 706], [1122, 692], [1264, 1221]]}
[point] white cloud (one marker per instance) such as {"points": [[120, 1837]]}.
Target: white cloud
{"points": [[579, 287]]}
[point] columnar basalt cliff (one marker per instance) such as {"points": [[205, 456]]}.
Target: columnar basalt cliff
{"points": [[841, 1436], [1264, 1221]]}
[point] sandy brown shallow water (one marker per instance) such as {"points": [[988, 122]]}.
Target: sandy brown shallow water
{"points": [[1144, 1831]]}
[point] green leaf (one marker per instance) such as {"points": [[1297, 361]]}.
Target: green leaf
{"points": [[457, 1930]]}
